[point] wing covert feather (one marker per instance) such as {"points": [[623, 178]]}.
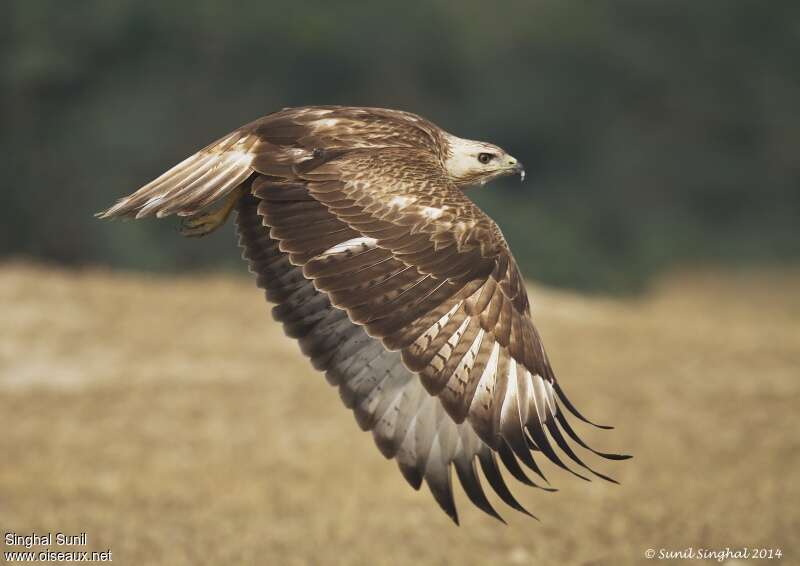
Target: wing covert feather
{"points": [[394, 283], [407, 423], [440, 292]]}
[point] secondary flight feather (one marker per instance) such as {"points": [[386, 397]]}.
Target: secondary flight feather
{"points": [[394, 283]]}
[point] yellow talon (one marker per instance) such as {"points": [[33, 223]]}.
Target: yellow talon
{"points": [[204, 223]]}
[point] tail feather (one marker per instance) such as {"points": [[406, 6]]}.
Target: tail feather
{"points": [[194, 183]]}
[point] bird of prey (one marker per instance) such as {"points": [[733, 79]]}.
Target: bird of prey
{"points": [[394, 283]]}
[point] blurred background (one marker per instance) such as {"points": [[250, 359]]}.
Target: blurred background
{"points": [[148, 399], [654, 134]]}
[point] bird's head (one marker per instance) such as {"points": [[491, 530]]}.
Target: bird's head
{"points": [[470, 162]]}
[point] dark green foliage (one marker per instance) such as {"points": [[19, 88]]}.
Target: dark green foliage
{"points": [[654, 133]]}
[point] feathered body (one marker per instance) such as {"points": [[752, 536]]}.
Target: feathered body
{"points": [[394, 283]]}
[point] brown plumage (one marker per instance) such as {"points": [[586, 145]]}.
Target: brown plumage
{"points": [[394, 283]]}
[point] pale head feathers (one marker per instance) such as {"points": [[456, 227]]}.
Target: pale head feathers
{"points": [[470, 162]]}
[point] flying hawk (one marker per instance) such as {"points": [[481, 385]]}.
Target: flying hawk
{"points": [[394, 283]]}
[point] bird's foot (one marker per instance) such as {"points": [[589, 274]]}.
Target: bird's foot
{"points": [[203, 223]]}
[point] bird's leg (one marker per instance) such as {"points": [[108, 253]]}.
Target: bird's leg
{"points": [[204, 223]]}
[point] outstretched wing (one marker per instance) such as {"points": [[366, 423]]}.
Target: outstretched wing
{"points": [[395, 284], [386, 397], [274, 143], [197, 181], [421, 268]]}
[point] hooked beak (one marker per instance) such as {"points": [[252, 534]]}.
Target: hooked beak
{"points": [[519, 168], [516, 168]]}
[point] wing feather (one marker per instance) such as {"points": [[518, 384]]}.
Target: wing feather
{"points": [[460, 258], [195, 182], [407, 423], [400, 289]]}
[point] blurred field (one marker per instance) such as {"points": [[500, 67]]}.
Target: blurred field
{"points": [[171, 420]]}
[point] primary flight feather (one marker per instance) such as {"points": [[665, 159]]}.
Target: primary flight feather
{"points": [[394, 283]]}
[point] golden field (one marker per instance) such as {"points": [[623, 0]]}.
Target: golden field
{"points": [[170, 420]]}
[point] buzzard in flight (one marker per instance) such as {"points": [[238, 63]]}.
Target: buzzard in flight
{"points": [[394, 283]]}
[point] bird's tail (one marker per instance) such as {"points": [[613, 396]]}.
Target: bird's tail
{"points": [[195, 183]]}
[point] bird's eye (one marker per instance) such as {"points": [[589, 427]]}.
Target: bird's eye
{"points": [[485, 157]]}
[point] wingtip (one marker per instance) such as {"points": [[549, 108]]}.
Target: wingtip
{"points": [[108, 213], [112, 212], [492, 512], [572, 409], [453, 514], [605, 477], [617, 456]]}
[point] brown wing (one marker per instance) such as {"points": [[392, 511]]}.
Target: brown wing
{"points": [[275, 143], [393, 282], [415, 262], [387, 398], [197, 181]]}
